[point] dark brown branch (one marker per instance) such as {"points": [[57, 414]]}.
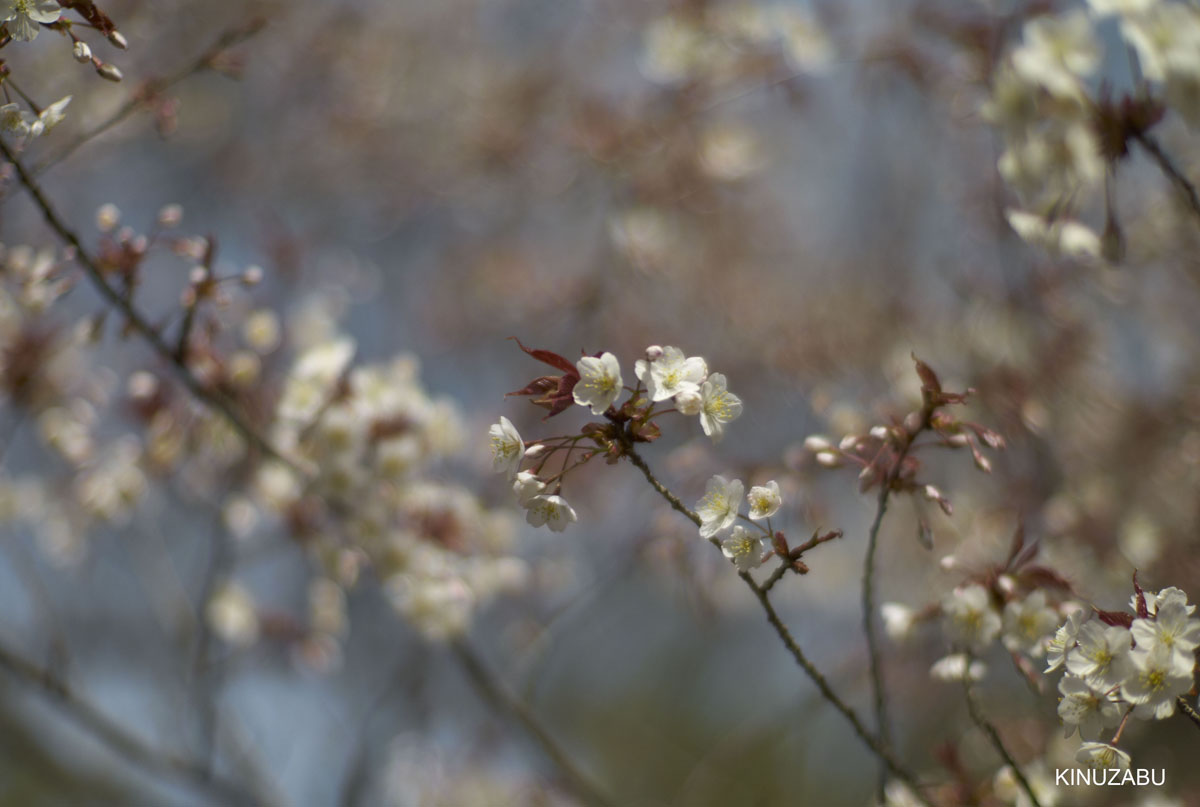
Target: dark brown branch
{"points": [[135, 751], [1170, 170]]}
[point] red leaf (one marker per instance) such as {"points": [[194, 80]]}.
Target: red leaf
{"points": [[1043, 577], [929, 379], [1115, 618], [1142, 610], [549, 357]]}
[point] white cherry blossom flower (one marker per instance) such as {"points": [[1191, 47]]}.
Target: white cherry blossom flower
{"points": [[1064, 640], [1102, 755], [1084, 709], [718, 406], [22, 16], [1171, 629], [957, 667], [764, 500], [1155, 683], [551, 510], [744, 548], [1027, 623], [526, 486], [970, 619], [1102, 657], [1057, 51], [508, 449], [897, 620], [719, 507], [599, 382], [671, 374]]}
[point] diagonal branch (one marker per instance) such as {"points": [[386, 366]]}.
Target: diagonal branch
{"points": [[135, 751], [1170, 170], [877, 746], [994, 736]]}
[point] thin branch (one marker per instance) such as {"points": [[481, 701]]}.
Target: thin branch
{"points": [[1188, 711], [874, 743], [499, 696], [135, 751], [994, 736], [1172, 171], [874, 653], [154, 88]]}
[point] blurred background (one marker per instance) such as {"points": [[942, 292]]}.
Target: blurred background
{"points": [[804, 194]]}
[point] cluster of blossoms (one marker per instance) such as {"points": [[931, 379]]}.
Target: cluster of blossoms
{"points": [[1124, 664], [727, 41], [1061, 129], [369, 435], [720, 508], [668, 381]]}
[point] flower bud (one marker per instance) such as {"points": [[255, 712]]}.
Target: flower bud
{"points": [[948, 563], [107, 218], [1006, 583], [880, 432], [118, 40], [109, 72], [654, 353], [850, 441], [170, 216], [815, 442], [829, 459], [252, 276], [535, 450], [81, 52], [689, 403]]}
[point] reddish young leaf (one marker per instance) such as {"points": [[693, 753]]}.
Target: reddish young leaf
{"points": [[929, 379], [1115, 618], [549, 357], [1143, 611]]}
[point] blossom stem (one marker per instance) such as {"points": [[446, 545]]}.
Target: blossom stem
{"points": [[994, 736], [1116, 738], [877, 747]]}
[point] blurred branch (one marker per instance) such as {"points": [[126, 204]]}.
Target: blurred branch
{"points": [[153, 88], [499, 697], [117, 738], [874, 743], [994, 736], [1172, 171]]}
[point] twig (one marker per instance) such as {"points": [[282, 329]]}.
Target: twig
{"points": [[117, 738], [1188, 711], [994, 736], [874, 743], [153, 88], [1168, 167], [501, 698], [874, 654]]}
